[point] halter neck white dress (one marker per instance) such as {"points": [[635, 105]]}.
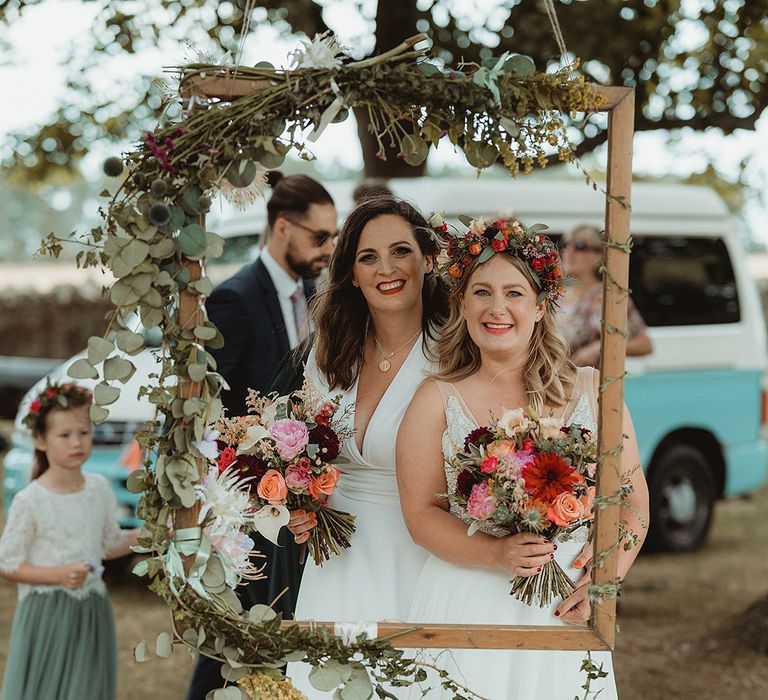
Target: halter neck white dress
{"points": [[375, 578], [447, 593]]}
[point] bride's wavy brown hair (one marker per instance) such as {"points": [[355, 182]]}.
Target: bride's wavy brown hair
{"points": [[549, 374], [340, 312]]}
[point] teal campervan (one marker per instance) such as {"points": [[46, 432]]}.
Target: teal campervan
{"points": [[698, 400]]}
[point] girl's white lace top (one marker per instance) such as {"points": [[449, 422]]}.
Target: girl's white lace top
{"points": [[50, 529], [460, 423]]}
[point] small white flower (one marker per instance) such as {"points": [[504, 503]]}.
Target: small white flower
{"points": [[550, 427], [208, 446], [478, 226], [322, 52], [269, 520], [513, 421], [437, 219]]}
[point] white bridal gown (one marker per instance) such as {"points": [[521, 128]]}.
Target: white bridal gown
{"points": [[375, 578], [452, 594]]}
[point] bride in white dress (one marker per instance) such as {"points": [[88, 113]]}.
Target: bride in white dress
{"points": [[500, 349], [374, 323]]}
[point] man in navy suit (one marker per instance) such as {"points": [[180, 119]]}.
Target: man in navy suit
{"points": [[262, 314]]}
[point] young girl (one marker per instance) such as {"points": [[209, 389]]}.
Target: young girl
{"points": [[59, 529]]}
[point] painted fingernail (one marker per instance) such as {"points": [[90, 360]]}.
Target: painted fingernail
{"points": [[539, 569], [577, 563], [555, 546], [546, 540], [551, 556], [557, 613]]}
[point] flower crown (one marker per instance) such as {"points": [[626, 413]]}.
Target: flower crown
{"points": [[55, 394], [481, 240]]}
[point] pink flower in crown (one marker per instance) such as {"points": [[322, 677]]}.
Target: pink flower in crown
{"points": [[291, 437], [481, 505], [297, 476], [478, 226]]}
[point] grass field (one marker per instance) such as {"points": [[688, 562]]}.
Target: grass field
{"points": [[670, 612]]}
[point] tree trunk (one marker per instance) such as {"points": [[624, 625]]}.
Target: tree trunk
{"points": [[395, 21]]}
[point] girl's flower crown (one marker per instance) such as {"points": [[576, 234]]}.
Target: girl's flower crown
{"points": [[481, 240], [61, 395]]}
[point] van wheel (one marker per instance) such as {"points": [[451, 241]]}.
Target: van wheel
{"points": [[682, 499]]}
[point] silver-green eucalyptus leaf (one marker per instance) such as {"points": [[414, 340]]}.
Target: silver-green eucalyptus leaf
{"points": [[118, 369], [104, 394], [98, 350], [98, 414], [141, 652], [82, 369], [163, 645], [323, 678], [130, 342]]}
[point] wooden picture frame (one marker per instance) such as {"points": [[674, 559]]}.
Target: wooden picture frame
{"points": [[600, 633]]}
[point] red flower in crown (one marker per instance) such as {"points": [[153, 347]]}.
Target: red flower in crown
{"points": [[35, 406], [499, 245], [538, 264]]}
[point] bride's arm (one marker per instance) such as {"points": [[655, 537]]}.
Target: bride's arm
{"points": [[421, 476]]}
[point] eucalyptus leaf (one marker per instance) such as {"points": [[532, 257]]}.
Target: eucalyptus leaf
{"points": [[233, 692], [130, 342], [192, 406], [104, 394], [119, 369], [234, 673], [140, 283], [344, 670], [294, 656], [189, 201], [466, 220], [214, 245], [261, 613], [98, 414], [141, 652], [509, 126], [197, 372], [205, 332], [414, 149], [135, 483], [82, 369], [163, 249], [537, 228], [175, 222], [323, 678], [520, 65], [141, 568], [122, 294], [150, 317], [429, 68], [99, 350], [192, 240], [486, 255], [129, 257], [358, 687], [202, 286], [241, 172], [163, 645], [190, 636]]}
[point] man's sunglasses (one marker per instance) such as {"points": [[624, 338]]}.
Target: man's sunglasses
{"points": [[321, 236], [581, 246]]}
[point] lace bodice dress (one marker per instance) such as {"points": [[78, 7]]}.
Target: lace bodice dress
{"points": [[447, 593], [50, 529]]}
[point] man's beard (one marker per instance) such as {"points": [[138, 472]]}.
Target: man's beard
{"points": [[306, 269]]}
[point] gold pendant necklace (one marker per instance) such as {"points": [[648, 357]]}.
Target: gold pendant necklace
{"points": [[384, 364]]}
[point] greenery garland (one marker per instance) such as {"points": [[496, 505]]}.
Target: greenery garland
{"points": [[152, 237]]}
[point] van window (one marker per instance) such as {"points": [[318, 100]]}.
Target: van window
{"points": [[680, 281]]}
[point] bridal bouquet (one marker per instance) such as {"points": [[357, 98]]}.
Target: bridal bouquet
{"points": [[524, 473], [283, 453]]}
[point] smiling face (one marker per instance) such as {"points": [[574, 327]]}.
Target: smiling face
{"points": [[68, 438], [500, 307], [389, 266]]}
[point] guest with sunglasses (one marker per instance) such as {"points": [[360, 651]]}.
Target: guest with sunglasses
{"points": [[262, 314], [581, 307]]}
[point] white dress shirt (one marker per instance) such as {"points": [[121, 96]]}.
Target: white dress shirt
{"points": [[285, 286]]}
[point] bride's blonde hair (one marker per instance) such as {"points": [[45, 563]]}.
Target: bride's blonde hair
{"points": [[549, 373]]}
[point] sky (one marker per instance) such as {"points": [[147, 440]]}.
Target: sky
{"points": [[35, 79]]}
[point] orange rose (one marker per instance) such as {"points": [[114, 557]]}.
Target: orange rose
{"points": [[502, 449], [587, 501], [272, 487], [475, 249], [565, 509], [323, 485], [454, 271]]}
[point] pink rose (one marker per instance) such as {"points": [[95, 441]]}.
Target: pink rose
{"points": [[489, 464], [297, 476], [502, 449], [565, 509], [291, 437], [480, 505]]}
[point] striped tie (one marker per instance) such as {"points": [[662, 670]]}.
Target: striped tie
{"points": [[300, 313]]}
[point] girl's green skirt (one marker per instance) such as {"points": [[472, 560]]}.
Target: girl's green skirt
{"points": [[62, 648]]}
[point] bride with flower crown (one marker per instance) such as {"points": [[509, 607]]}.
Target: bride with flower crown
{"points": [[500, 349]]}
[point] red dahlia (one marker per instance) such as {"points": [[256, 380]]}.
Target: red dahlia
{"points": [[478, 436], [547, 476], [465, 480], [325, 437]]}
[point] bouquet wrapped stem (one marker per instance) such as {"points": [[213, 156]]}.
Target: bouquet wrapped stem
{"points": [[551, 582], [332, 533]]}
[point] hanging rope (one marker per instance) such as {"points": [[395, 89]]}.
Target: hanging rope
{"points": [[247, 12], [549, 8]]}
